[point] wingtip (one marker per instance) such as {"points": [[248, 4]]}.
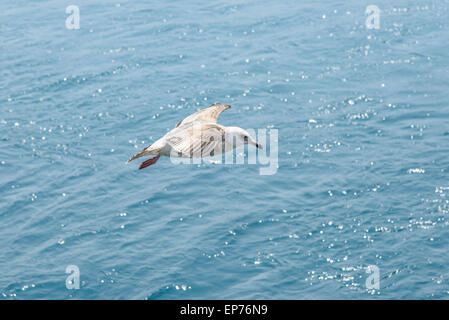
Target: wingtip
{"points": [[217, 104]]}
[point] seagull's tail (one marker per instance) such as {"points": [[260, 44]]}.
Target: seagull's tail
{"points": [[142, 153]]}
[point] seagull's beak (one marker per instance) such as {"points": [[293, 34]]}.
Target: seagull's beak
{"points": [[250, 140]]}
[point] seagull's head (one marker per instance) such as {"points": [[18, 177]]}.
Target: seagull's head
{"points": [[241, 137]]}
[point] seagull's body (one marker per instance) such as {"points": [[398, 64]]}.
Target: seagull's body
{"points": [[198, 135]]}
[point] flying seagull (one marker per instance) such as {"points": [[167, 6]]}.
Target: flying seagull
{"points": [[198, 135]]}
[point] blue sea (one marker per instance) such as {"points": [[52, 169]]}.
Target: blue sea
{"points": [[357, 209]]}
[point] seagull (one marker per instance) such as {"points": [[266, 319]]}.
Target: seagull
{"points": [[198, 135]]}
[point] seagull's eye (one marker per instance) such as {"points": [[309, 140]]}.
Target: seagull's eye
{"points": [[245, 138]]}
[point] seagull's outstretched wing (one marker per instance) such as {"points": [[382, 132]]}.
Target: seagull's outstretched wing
{"points": [[196, 141], [206, 115]]}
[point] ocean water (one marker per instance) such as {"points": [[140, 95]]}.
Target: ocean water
{"points": [[362, 185]]}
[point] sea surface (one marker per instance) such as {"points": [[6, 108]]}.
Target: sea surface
{"points": [[362, 184]]}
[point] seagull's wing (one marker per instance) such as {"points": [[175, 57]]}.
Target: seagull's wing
{"points": [[196, 141], [206, 115]]}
